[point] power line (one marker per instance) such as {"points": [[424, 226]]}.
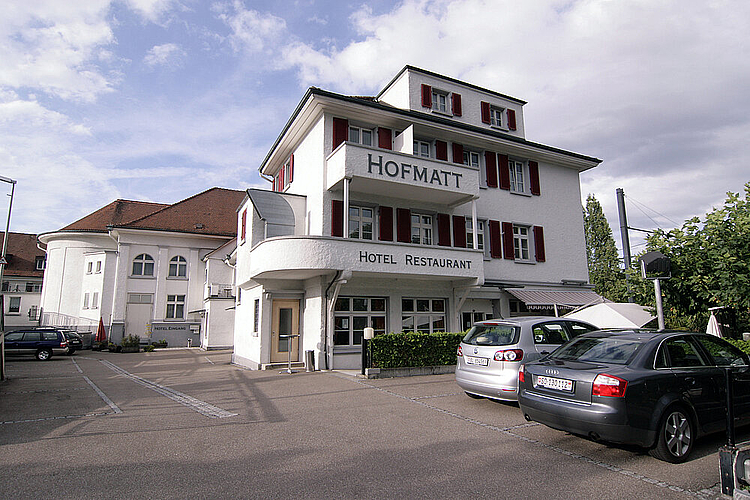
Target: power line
{"points": [[639, 204]]}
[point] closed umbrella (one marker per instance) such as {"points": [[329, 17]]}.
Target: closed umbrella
{"points": [[713, 326], [101, 335]]}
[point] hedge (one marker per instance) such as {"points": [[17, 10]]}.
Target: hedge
{"points": [[743, 345], [411, 349]]}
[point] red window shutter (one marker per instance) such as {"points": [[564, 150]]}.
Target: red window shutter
{"points": [[385, 224], [459, 231], [490, 168], [291, 168], [512, 119], [485, 112], [456, 104], [508, 249], [504, 172], [496, 251], [458, 153], [282, 178], [444, 230], [340, 131], [244, 224], [426, 96], [385, 138], [337, 218], [539, 244], [441, 150], [403, 225], [534, 178]]}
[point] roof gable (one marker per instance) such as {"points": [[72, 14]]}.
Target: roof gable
{"points": [[21, 253], [116, 213]]}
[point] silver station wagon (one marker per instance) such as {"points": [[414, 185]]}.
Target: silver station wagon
{"points": [[491, 353]]}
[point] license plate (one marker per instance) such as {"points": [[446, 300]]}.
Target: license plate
{"points": [[557, 384], [471, 360]]}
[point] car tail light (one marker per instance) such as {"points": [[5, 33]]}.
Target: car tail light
{"points": [[509, 355], [521, 374], [608, 385], [460, 351]]}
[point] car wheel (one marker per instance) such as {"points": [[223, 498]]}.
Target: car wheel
{"points": [[474, 396], [70, 352], [43, 354], [676, 436]]}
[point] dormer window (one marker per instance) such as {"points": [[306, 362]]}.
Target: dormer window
{"points": [[496, 116], [40, 263], [439, 101]]}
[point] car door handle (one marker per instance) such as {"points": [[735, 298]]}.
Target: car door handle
{"points": [[544, 352]]}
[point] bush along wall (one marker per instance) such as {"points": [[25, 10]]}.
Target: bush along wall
{"points": [[412, 349]]}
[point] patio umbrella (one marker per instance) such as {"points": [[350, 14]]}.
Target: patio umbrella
{"points": [[101, 335], [613, 315], [713, 326]]}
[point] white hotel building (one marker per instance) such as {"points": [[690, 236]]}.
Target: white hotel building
{"points": [[422, 208]]}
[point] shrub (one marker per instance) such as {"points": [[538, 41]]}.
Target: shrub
{"points": [[131, 341], [409, 349], [743, 345], [148, 348]]}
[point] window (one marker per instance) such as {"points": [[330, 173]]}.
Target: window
{"points": [[469, 318], [423, 315], [471, 158], [353, 314], [15, 305], [178, 267], [256, 317], [496, 116], [422, 149], [33, 313], [40, 263], [470, 234], [89, 268], [360, 135], [95, 300], [678, 353], [143, 265], [361, 223], [516, 170], [140, 298], [421, 229], [33, 287], [439, 101], [521, 242], [86, 300], [98, 266], [175, 306]]}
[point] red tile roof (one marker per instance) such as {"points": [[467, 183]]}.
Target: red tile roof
{"points": [[21, 254], [211, 212], [117, 212]]}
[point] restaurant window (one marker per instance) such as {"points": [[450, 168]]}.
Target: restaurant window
{"points": [[423, 315], [353, 314]]}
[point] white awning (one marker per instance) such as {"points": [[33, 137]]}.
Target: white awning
{"points": [[549, 299]]}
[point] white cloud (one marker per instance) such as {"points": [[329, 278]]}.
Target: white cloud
{"points": [[153, 10], [169, 55], [252, 31]]}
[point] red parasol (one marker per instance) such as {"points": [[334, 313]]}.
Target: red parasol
{"points": [[101, 335]]}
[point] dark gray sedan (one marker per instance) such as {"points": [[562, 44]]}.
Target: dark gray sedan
{"points": [[658, 390]]}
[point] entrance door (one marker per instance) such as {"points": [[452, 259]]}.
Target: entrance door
{"points": [[138, 313], [285, 322]]}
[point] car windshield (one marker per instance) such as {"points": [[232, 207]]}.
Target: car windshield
{"points": [[598, 349], [492, 335]]}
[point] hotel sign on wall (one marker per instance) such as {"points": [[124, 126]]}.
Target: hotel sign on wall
{"points": [[412, 172]]}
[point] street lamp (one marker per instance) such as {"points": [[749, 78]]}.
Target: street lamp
{"points": [[2, 268]]}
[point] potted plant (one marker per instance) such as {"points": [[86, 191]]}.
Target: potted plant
{"points": [[161, 343], [131, 343], [112, 347]]}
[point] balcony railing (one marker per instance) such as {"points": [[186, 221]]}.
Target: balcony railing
{"points": [[221, 291]]}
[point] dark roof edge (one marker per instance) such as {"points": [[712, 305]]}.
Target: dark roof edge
{"points": [[416, 114], [450, 79], [221, 235]]}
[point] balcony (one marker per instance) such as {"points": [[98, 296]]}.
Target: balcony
{"points": [[397, 175], [220, 291], [303, 257]]}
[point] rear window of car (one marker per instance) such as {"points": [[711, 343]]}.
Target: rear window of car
{"points": [[32, 336], [49, 335], [492, 335], [723, 353], [614, 350]]}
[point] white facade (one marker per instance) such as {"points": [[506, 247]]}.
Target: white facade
{"points": [[422, 209], [146, 277], [22, 281]]}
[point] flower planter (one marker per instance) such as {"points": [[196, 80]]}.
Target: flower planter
{"points": [[130, 348]]}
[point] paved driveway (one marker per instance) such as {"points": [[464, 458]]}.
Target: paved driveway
{"points": [[187, 424]]}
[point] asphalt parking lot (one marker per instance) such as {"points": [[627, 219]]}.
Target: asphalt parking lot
{"points": [[187, 424]]}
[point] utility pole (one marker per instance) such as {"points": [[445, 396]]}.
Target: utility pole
{"points": [[2, 268], [624, 236]]}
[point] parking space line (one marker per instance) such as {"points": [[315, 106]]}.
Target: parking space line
{"points": [[508, 431], [194, 404], [64, 417], [104, 397]]}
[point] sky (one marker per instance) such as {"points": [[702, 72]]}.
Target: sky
{"points": [[157, 100]]}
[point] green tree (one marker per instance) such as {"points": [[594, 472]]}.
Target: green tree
{"points": [[710, 266], [601, 253]]}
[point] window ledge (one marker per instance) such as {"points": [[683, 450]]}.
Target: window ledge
{"points": [[521, 193], [502, 129], [178, 278], [527, 262], [142, 277]]}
